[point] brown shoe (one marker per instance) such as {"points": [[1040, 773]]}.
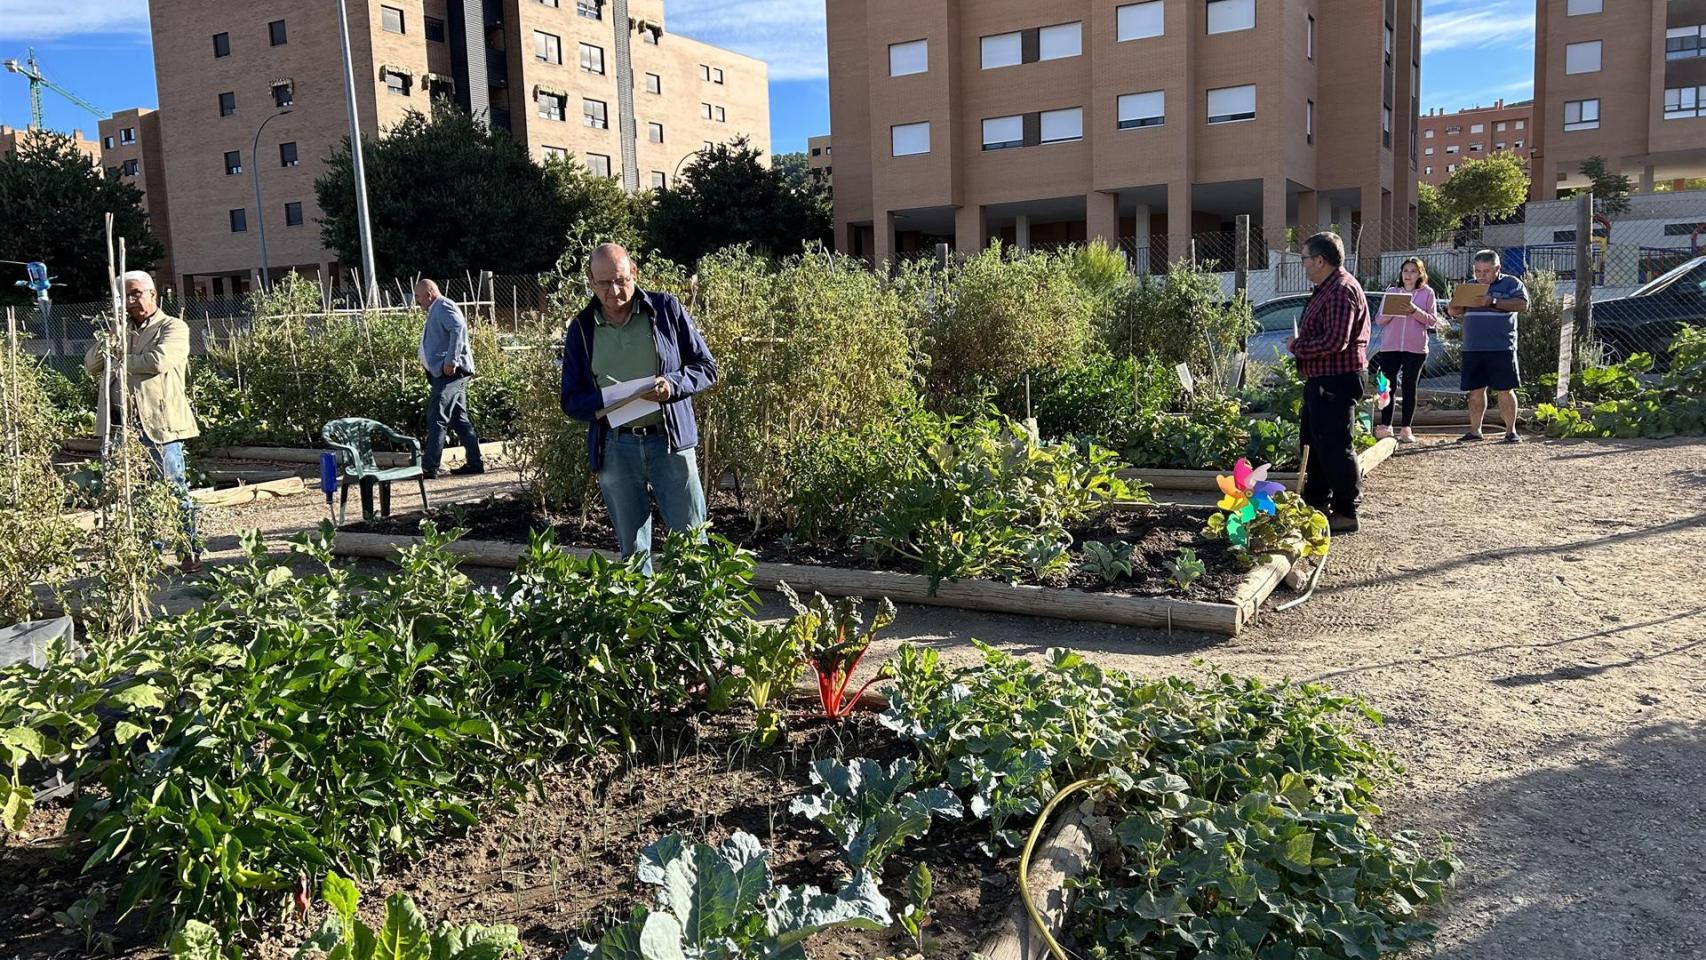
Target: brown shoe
{"points": [[189, 566], [1338, 524]]}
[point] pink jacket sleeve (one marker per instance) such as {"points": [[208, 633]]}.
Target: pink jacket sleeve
{"points": [[1425, 302]]}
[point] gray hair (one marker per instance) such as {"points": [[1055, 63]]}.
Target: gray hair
{"points": [[1487, 256], [1328, 247], [138, 277]]}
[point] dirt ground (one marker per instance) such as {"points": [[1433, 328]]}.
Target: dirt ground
{"points": [[1530, 620]]}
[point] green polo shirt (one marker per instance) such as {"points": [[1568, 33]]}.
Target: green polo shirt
{"points": [[624, 353]]}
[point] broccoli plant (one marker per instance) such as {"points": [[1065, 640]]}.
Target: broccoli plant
{"points": [[868, 810], [1107, 562]]}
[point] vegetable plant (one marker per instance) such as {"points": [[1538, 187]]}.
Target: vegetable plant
{"points": [[770, 662], [1295, 529], [1186, 569], [829, 636], [869, 810], [915, 916], [718, 903], [1107, 562]]}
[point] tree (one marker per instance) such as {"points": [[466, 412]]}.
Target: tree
{"points": [[1610, 189], [727, 197], [446, 196], [1492, 187], [596, 206], [1434, 218], [53, 207]]}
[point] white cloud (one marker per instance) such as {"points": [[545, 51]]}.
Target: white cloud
{"points": [[28, 20], [1477, 24], [787, 34]]}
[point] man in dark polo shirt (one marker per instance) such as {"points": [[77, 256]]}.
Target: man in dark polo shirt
{"points": [[1489, 345], [1331, 348]]}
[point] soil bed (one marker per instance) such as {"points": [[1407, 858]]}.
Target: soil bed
{"points": [[1155, 532], [561, 866]]}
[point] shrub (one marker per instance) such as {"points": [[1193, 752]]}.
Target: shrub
{"points": [[35, 540], [1616, 404], [1100, 398], [1181, 317], [1541, 326], [997, 317]]}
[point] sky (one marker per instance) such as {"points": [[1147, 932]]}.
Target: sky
{"points": [[1473, 52]]}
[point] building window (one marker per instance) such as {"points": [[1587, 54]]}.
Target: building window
{"points": [[552, 105], [549, 3], [1003, 50], [660, 180], [1582, 57], [1499, 146], [722, 116], [227, 104], [1499, 127], [1387, 43], [1062, 126], [1453, 131], [131, 167], [1309, 121], [1521, 123], [654, 83], [233, 162], [1232, 104], [239, 220], [106, 143], [1428, 170], [1684, 229], [1684, 43], [654, 132], [1428, 134], [1428, 152], [705, 73], [287, 154], [704, 111], [547, 47], [909, 58], [1451, 168], [1139, 21], [592, 58], [1581, 114], [1227, 16], [599, 164], [433, 27], [396, 84], [283, 94], [127, 135], [1309, 39], [221, 45], [1579, 7], [1147, 109], [590, 9], [1517, 145], [1477, 128], [909, 139], [1060, 41], [293, 214], [1474, 148], [1386, 126], [650, 36], [1683, 103], [717, 76], [554, 153], [275, 33], [1450, 148], [391, 20], [594, 115], [708, 146], [1003, 133]]}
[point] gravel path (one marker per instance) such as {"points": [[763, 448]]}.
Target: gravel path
{"points": [[1531, 621]]}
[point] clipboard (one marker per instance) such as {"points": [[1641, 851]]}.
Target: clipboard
{"points": [[1465, 294], [1397, 305]]}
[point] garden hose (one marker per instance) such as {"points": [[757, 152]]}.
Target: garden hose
{"points": [[1025, 863]]}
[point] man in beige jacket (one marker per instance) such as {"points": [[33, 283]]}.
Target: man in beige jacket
{"points": [[157, 363]]}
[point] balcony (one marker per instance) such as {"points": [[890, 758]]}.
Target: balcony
{"points": [[497, 68]]}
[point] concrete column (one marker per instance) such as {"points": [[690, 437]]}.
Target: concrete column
{"points": [[1647, 179], [971, 229], [882, 247], [1102, 217], [1022, 232], [1140, 239], [1273, 213], [1178, 222]]}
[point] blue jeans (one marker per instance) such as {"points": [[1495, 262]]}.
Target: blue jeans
{"points": [[448, 406], [169, 460], [631, 464]]}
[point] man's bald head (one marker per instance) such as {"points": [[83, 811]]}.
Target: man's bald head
{"points": [[610, 254], [612, 274], [426, 291]]}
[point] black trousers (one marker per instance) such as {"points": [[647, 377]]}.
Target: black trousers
{"points": [[1403, 370], [1333, 484]]}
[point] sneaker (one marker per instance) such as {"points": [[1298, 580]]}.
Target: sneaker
{"points": [[1382, 431], [1406, 436], [430, 474], [469, 470], [1339, 524], [1513, 437], [1471, 437]]}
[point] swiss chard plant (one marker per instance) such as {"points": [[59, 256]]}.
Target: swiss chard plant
{"points": [[770, 663], [829, 636], [718, 903], [869, 810]]}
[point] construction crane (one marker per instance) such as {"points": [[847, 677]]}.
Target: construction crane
{"points": [[31, 71]]}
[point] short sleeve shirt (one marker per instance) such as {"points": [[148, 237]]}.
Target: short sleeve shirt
{"points": [[624, 353], [1494, 330]]}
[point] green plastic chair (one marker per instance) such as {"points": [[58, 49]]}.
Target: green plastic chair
{"points": [[352, 438]]}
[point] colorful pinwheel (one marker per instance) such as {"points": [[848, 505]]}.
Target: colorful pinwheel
{"points": [[1382, 389], [1248, 492]]}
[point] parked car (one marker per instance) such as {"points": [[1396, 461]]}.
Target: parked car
{"points": [[1647, 320], [1277, 318]]}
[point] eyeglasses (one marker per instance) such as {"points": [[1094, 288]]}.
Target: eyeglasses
{"points": [[616, 284], [136, 294]]}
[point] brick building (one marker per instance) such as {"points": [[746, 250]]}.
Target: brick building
{"points": [[10, 137], [131, 149], [1448, 139]]}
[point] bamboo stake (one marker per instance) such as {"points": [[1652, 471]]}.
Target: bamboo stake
{"points": [[12, 409]]}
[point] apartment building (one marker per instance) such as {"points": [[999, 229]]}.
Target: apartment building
{"points": [[10, 137], [820, 158], [1620, 79], [1448, 139], [256, 91], [1143, 122], [131, 149]]}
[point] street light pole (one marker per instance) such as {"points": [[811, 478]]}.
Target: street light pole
{"points": [[370, 283], [260, 211]]}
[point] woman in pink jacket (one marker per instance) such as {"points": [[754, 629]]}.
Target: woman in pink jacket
{"points": [[1404, 344]]}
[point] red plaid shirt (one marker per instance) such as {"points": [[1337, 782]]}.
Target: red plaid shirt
{"points": [[1332, 335]]}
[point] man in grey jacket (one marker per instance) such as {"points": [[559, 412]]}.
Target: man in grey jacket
{"points": [[449, 360]]}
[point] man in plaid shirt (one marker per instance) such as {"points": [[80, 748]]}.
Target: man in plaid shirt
{"points": [[1331, 348]]}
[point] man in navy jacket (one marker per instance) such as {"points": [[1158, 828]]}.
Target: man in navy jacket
{"points": [[626, 334]]}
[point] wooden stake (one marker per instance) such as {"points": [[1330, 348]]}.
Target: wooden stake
{"points": [[1302, 469]]}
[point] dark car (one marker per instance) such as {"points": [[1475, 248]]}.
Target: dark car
{"points": [[1276, 319], [1647, 320]]}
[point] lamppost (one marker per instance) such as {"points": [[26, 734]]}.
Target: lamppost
{"points": [[364, 229], [260, 211], [677, 174]]}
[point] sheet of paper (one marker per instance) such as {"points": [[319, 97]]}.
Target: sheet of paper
{"points": [[1465, 294], [622, 404], [631, 411], [1396, 304], [619, 393]]}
